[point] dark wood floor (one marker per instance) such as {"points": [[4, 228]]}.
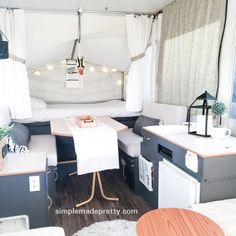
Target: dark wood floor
{"points": [[75, 189]]}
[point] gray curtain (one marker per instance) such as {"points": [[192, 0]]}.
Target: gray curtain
{"points": [[190, 42]]}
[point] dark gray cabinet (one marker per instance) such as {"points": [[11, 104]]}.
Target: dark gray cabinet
{"points": [[19, 196], [216, 159], [15, 199]]}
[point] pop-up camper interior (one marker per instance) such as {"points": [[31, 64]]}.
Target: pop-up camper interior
{"points": [[118, 117]]}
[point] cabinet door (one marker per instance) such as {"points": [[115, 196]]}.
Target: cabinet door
{"points": [[176, 188], [16, 199]]}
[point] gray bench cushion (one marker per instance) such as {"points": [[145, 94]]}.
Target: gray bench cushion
{"points": [[130, 142], [47, 144]]}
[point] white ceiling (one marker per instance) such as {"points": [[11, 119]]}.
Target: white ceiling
{"points": [[98, 5]]}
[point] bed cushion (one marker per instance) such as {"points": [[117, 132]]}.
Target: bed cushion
{"points": [[19, 138], [37, 103], [47, 231], [130, 143], [170, 114], [222, 212], [144, 121], [47, 144]]}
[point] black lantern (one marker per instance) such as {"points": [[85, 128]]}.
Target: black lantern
{"points": [[203, 104]]}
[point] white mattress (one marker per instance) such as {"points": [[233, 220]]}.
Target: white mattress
{"points": [[114, 108], [222, 212]]}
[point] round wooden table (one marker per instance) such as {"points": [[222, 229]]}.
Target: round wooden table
{"points": [[176, 222]]}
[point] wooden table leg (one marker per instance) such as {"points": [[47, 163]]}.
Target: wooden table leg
{"points": [[92, 192], [101, 189], [96, 174]]}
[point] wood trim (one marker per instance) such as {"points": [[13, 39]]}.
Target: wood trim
{"points": [[189, 149]]}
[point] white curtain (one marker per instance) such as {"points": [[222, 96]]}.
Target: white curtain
{"points": [[151, 62], [190, 42], [14, 88], [228, 68], [138, 33]]}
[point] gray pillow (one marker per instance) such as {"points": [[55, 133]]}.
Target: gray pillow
{"points": [[144, 121], [19, 138]]}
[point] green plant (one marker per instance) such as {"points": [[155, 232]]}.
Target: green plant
{"points": [[218, 110], [4, 131]]}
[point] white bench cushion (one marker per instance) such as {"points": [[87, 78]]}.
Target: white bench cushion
{"points": [[170, 114], [47, 144], [130, 142], [47, 231]]}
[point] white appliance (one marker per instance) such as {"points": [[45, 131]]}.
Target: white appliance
{"points": [[176, 188], [145, 172]]}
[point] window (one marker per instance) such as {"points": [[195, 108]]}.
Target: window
{"points": [[233, 106]]}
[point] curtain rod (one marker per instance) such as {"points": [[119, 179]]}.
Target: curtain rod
{"points": [[102, 12]]}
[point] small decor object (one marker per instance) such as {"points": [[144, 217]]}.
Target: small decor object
{"points": [[73, 78], [4, 53], [80, 66], [86, 121], [218, 131], [204, 121], [218, 110], [4, 131]]}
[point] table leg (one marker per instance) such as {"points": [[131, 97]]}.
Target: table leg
{"points": [[92, 192], [101, 189]]}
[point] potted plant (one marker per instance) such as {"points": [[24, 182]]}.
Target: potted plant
{"points": [[80, 65], [218, 131], [218, 110], [4, 132]]}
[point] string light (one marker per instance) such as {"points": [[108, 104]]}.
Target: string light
{"points": [[92, 68], [37, 72], [119, 82], [104, 69], [50, 67]]}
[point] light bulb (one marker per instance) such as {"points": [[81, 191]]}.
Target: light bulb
{"points": [[50, 67], [92, 68], [119, 82], [105, 69], [37, 72], [114, 70]]}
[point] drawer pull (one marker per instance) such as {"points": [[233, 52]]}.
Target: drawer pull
{"points": [[146, 138], [50, 202], [56, 175]]}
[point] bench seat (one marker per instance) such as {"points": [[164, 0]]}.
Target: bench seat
{"points": [[130, 143], [47, 144]]}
